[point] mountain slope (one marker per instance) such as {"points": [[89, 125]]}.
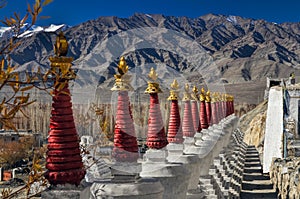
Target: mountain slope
{"points": [[233, 49]]}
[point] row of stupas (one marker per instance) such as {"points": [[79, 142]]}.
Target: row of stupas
{"points": [[166, 159], [213, 108], [64, 162]]}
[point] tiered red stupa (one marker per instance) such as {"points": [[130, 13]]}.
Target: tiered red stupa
{"points": [[174, 128], [232, 104], [219, 107], [63, 162], [187, 123], [203, 116], [208, 107], [125, 143], [224, 108], [227, 105], [156, 136], [195, 110], [214, 111]]}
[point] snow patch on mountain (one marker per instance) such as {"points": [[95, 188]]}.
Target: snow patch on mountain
{"points": [[232, 19], [53, 28], [149, 16], [7, 32]]}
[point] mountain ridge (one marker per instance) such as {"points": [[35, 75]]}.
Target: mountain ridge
{"points": [[235, 49]]}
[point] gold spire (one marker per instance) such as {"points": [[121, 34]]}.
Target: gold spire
{"points": [[202, 95], [153, 75], [153, 87], [122, 79], [175, 85], [174, 90], [186, 95], [230, 98], [223, 97], [207, 96], [60, 64], [195, 94], [213, 99], [61, 45], [122, 68]]}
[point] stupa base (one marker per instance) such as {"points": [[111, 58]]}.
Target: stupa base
{"points": [[62, 191], [147, 188]]}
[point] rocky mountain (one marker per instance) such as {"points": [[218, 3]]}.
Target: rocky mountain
{"points": [[27, 30], [207, 49]]}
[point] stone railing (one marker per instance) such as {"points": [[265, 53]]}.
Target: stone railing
{"points": [[225, 175]]}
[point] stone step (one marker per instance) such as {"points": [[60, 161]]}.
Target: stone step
{"points": [[255, 176], [252, 170], [254, 159], [254, 183], [257, 185], [250, 164], [258, 195]]}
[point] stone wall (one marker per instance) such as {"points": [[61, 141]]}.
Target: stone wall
{"points": [[284, 174], [293, 104]]}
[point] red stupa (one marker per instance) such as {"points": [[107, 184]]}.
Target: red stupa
{"points": [[64, 163], [224, 105], [218, 107], [156, 136], [213, 111], [187, 123], [195, 110], [232, 105], [203, 116], [174, 128], [125, 143], [208, 107]]}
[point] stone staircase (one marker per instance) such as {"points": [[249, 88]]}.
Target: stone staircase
{"points": [[255, 184], [237, 173], [225, 175]]}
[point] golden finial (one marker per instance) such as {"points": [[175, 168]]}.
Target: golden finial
{"points": [[216, 96], [227, 97], [207, 96], [187, 88], [60, 64], [230, 98], [202, 95], [153, 87], [223, 97], [213, 99], [122, 68], [195, 90], [220, 97], [61, 45], [186, 95], [122, 79], [153, 75], [195, 94], [174, 90], [175, 85]]}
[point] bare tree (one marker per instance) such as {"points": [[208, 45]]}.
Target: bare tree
{"points": [[11, 104]]}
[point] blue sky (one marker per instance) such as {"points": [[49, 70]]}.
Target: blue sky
{"points": [[74, 12]]}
